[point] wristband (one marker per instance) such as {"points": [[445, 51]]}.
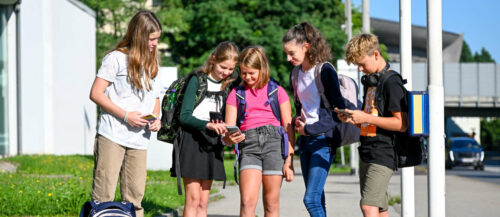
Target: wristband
{"points": [[125, 118]]}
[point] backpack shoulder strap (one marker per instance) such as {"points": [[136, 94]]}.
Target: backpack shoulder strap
{"points": [[202, 87], [381, 88], [319, 84], [293, 81], [240, 104], [272, 98]]}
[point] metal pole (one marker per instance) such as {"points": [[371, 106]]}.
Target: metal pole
{"points": [[17, 9], [353, 161], [436, 175], [405, 47], [366, 16]]}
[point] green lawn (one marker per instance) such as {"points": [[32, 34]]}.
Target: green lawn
{"points": [[49, 185]]}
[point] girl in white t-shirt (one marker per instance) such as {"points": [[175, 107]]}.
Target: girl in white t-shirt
{"points": [[126, 92]]}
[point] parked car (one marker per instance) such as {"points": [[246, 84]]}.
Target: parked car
{"points": [[464, 151]]}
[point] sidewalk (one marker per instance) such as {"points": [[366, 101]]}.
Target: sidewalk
{"points": [[342, 198]]}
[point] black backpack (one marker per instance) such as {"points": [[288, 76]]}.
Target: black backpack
{"points": [[409, 150], [171, 130]]}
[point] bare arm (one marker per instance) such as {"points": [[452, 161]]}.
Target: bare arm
{"points": [[395, 123], [156, 124], [286, 122], [231, 113], [98, 97]]}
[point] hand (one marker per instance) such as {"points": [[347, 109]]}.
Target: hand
{"points": [[358, 117], [134, 119], [234, 138], [299, 126], [219, 128], [288, 171], [155, 125]]}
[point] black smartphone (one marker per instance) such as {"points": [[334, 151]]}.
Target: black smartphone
{"points": [[343, 111], [233, 129], [216, 117]]}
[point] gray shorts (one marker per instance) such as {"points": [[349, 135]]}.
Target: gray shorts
{"points": [[374, 182], [261, 150]]}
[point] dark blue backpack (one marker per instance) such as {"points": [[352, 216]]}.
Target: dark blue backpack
{"points": [[272, 95], [111, 208]]}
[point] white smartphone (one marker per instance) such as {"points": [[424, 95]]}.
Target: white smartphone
{"points": [[233, 129]]}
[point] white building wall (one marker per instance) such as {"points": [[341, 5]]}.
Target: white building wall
{"points": [[160, 153], [466, 125], [58, 68]]}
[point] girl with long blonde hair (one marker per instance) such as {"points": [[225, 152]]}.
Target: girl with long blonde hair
{"points": [[125, 90]]}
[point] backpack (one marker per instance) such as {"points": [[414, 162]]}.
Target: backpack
{"points": [[170, 130], [172, 102], [111, 208], [348, 88], [409, 150], [272, 95]]}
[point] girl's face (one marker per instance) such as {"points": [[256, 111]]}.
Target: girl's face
{"points": [[153, 40], [223, 69], [295, 53], [249, 75]]}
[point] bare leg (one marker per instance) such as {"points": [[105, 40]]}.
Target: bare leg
{"points": [[271, 195], [370, 211], [197, 192], [250, 180]]}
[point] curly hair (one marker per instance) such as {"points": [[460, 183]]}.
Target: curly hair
{"points": [[319, 50]]}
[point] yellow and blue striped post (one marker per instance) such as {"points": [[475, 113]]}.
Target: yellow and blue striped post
{"points": [[419, 113]]}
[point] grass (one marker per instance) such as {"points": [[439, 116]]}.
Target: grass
{"points": [[49, 185]]}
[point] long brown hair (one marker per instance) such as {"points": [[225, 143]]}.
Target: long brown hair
{"points": [[255, 57], [224, 51], [142, 63], [319, 50]]}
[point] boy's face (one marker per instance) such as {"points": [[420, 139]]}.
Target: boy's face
{"points": [[369, 63]]}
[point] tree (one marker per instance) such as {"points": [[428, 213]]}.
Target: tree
{"points": [[466, 55], [483, 57], [490, 134], [257, 22]]}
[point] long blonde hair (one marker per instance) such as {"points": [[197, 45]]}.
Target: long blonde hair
{"points": [[255, 57], [224, 51], [142, 63]]}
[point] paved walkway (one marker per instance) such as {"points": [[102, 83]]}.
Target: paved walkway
{"points": [[342, 198], [464, 197]]}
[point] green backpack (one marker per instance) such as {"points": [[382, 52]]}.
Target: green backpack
{"points": [[172, 103]]}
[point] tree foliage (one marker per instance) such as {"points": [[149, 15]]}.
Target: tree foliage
{"points": [[490, 134], [482, 57], [466, 55], [191, 29], [251, 22]]}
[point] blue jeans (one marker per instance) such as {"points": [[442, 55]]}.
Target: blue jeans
{"points": [[316, 157]]}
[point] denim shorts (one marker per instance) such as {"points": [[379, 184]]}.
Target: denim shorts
{"points": [[261, 150]]}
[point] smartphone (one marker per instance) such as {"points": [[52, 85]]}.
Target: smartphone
{"points": [[216, 117], [151, 117], [343, 111], [233, 129]]}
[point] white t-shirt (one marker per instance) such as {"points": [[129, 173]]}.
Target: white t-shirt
{"points": [[209, 103], [114, 68], [308, 95]]}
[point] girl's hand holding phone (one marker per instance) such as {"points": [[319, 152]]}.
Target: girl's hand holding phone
{"points": [[134, 119], [233, 138], [155, 125]]}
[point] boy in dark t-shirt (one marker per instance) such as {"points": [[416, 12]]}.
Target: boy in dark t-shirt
{"points": [[377, 126]]}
